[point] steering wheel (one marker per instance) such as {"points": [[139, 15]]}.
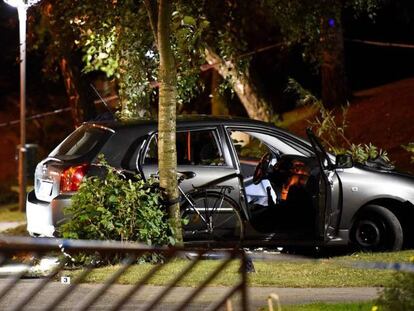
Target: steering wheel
{"points": [[262, 168]]}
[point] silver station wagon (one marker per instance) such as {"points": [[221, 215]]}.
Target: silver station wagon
{"points": [[282, 190]]}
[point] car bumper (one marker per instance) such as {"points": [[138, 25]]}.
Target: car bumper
{"points": [[42, 217]]}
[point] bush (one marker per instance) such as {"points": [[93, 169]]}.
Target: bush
{"points": [[399, 295], [114, 208]]}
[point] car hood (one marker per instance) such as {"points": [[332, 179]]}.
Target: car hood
{"points": [[384, 170]]}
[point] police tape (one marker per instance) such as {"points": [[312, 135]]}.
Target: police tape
{"points": [[36, 116], [396, 266]]}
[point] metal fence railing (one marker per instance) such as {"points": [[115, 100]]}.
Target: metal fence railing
{"points": [[18, 292]]}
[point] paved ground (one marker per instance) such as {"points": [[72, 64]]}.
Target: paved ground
{"points": [[257, 296]]}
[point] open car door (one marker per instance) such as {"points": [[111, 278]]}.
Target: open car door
{"points": [[330, 205]]}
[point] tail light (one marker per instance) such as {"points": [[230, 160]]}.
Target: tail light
{"points": [[71, 178]]}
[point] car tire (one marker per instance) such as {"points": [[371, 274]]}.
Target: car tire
{"points": [[377, 229]]}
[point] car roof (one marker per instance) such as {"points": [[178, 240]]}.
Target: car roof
{"points": [[183, 120], [198, 120]]}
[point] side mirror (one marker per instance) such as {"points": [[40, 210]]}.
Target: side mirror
{"points": [[344, 161]]}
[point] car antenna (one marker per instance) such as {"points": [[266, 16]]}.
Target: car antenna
{"points": [[102, 100]]}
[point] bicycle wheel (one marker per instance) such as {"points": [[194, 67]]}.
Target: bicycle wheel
{"points": [[218, 218]]}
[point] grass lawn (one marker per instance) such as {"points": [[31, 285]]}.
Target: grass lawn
{"points": [[17, 231], [11, 212], [357, 306], [332, 272]]}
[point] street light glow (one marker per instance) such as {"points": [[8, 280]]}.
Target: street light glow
{"points": [[21, 3], [15, 3]]}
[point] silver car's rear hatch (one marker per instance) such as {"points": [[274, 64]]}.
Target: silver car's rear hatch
{"points": [[81, 147], [47, 179]]}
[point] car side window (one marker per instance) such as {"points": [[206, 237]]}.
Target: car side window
{"points": [[193, 148], [248, 147], [258, 143]]}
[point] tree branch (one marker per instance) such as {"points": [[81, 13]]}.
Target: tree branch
{"points": [[153, 19], [256, 107]]}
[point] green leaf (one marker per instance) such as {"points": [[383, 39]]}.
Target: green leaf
{"points": [[189, 20], [117, 209]]}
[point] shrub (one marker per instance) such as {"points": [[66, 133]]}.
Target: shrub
{"points": [[399, 295], [363, 153], [116, 208]]}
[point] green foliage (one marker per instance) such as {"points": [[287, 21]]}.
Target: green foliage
{"points": [[188, 45], [229, 28], [115, 38], [399, 294], [305, 21], [368, 7], [332, 132], [362, 153], [98, 49], [114, 208], [410, 149]]}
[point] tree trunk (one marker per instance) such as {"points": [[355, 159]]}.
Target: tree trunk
{"points": [[255, 106], [78, 92], [333, 76], [167, 153], [81, 104]]}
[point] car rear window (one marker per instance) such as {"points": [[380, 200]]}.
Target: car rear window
{"points": [[86, 141]]}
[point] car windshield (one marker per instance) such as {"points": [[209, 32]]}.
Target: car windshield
{"points": [[85, 141]]}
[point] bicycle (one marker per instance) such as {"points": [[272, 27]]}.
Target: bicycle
{"points": [[209, 213]]}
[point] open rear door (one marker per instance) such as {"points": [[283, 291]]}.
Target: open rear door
{"points": [[330, 205]]}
